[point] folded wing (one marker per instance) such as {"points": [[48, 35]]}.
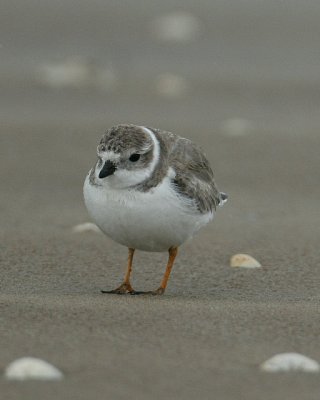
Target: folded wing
{"points": [[194, 178]]}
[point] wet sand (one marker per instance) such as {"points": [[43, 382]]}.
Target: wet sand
{"points": [[214, 326], [206, 337]]}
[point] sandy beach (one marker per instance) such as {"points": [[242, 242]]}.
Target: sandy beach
{"points": [[255, 113]]}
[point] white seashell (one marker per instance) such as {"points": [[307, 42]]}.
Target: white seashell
{"points": [[237, 127], [179, 26], [69, 73], [290, 362], [86, 227], [170, 85], [76, 72], [32, 368], [244, 261]]}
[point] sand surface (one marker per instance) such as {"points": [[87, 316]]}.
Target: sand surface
{"points": [[206, 337]]}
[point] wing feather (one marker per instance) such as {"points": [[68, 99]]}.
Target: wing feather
{"points": [[194, 177]]}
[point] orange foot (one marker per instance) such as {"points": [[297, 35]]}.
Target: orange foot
{"points": [[125, 288], [156, 292]]}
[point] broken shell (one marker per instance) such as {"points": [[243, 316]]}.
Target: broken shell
{"points": [[76, 72], [179, 26], [244, 261], [32, 368], [290, 362], [86, 227], [237, 127], [171, 86]]}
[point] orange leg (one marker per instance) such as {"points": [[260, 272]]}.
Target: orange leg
{"points": [[129, 268], [173, 251], [125, 287]]}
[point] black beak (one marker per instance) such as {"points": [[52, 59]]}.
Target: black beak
{"points": [[108, 169]]}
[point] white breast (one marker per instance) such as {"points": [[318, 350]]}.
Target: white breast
{"points": [[151, 221]]}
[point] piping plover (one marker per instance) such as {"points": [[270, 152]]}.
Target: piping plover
{"points": [[150, 190]]}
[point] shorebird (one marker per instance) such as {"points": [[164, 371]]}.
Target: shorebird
{"points": [[150, 190]]}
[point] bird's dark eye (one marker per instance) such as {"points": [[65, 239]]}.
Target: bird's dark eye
{"points": [[134, 157]]}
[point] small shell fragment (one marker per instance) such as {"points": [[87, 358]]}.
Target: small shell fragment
{"points": [[171, 86], [244, 261], [237, 127], [284, 362], [178, 26], [86, 227], [32, 368], [76, 72]]}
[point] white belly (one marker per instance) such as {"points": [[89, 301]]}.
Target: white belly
{"points": [[152, 221]]}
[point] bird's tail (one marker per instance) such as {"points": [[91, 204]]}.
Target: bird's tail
{"points": [[223, 199]]}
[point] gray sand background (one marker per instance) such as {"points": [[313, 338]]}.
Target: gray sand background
{"points": [[206, 337]]}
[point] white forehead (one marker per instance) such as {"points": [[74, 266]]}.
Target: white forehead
{"points": [[108, 155]]}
